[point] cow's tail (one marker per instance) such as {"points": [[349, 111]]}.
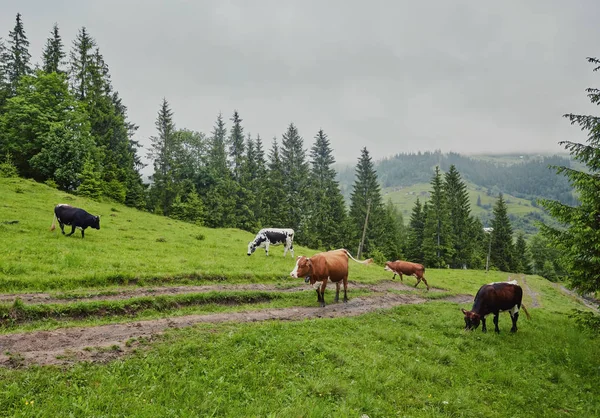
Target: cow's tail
{"points": [[53, 227], [367, 261], [525, 310]]}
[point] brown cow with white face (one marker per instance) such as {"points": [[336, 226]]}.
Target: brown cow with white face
{"points": [[330, 265], [406, 267]]}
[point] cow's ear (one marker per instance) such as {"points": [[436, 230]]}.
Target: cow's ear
{"points": [[463, 310]]}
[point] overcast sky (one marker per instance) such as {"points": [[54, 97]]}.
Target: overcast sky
{"points": [[394, 76]]}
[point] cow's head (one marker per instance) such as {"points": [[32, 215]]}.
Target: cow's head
{"points": [[387, 267], [303, 267], [472, 319], [251, 247], [96, 222]]}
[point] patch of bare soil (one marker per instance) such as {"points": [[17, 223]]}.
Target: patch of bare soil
{"points": [[106, 342], [534, 295], [48, 298], [586, 300]]}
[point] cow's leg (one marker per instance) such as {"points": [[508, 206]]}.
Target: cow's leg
{"points": [[72, 230], [267, 248], [337, 292], [425, 281], [496, 315], [345, 289], [285, 249], [418, 280], [62, 226], [483, 327], [323, 286], [292, 249], [82, 229], [401, 279], [515, 318]]}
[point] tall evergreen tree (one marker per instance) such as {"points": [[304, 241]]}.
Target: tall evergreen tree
{"points": [[164, 189], [4, 81], [82, 64], [275, 214], [366, 197], [522, 257], [246, 219], [579, 241], [259, 181], [219, 196], [459, 211], [416, 226], [438, 247], [502, 247], [53, 54], [19, 57], [328, 218], [295, 181], [236, 146]]}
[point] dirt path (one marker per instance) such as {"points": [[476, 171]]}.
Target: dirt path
{"points": [[534, 295], [588, 302], [122, 294], [106, 342]]}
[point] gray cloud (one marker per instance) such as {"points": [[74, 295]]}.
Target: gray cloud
{"points": [[394, 76]]}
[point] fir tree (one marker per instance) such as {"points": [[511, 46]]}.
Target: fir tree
{"points": [[19, 57], [523, 260], [366, 197], [416, 226], [219, 196], [4, 81], [161, 154], [295, 181], [328, 218], [502, 248], [459, 210], [437, 234], [53, 54], [275, 214], [579, 241], [81, 64], [236, 146]]}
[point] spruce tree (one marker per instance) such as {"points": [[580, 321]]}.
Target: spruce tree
{"points": [[219, 196], [459, 211], [438, 247], [328, 218], [579, 241], [53, 54], [4, 81], [82, 64], [275, 214], [502, 248], [246, 219], [19, 57], [164, 190], [295, 181], [416, 226], [523, 260], [366, 197], [236, 146]]}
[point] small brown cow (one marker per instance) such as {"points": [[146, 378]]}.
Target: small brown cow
{"points": [[406, 267], [495, 298], [330, 265]]}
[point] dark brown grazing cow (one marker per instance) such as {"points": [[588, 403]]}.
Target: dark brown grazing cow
{"points": [[495, 298], [331, 265], [406, 267]]}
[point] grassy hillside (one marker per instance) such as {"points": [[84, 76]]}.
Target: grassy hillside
{"points": [[522, 211], [410, 360]]}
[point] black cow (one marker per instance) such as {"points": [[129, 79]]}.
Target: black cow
{"points": [[273, 236], [495, 298], [75, 217]]}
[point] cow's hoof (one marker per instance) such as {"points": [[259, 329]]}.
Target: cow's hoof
{"points": [[345, 300]]}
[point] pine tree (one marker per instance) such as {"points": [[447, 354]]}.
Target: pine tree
{"points": [[327, 218], [523, 259], [295, 181], [53, 54], [502, 248], [245, 198], [236, 146], [275, 214], [459, 211], [164, 188], [219, 196], [579, 241], [259, 181], [4, 81], [366, 197], [19, 57], [416, 226], [81, 64], [438, 247]]}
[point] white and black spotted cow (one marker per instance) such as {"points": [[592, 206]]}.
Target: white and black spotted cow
{"points": [[273, 236]]}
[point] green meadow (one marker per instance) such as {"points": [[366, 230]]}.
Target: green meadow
{"points": [[407, 361]]}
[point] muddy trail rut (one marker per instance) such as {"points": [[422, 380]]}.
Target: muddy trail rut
{"points": [[106, 342], [129, 293]]}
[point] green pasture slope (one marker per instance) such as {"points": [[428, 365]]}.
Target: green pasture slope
{"points": [[413, 360]]}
